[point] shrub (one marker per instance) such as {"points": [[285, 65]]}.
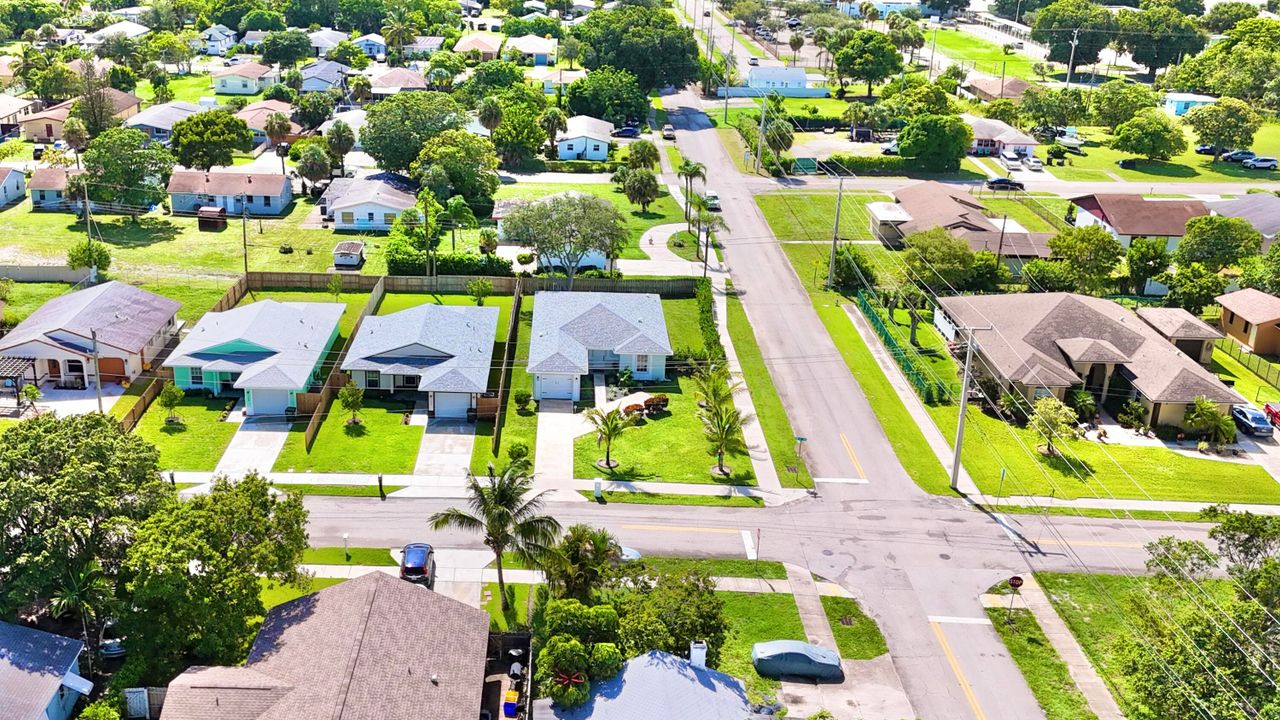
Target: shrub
{"points": [[624, 377], [518, 450], [1083, 402], [1132, 414], [469, 264], [295, 150], [633, 409], [656, 403], [524, 258], [102, 710], [874, 164], [522, 398], [606, 661], [707, 320], [602, 274], [1169, 433], [479, 289]]}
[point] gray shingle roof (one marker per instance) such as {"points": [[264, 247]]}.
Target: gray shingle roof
{"points": [[659, 685], [286, 339], [370, 648], [99, 307], [449, 347], [1178, 323], [566, 325], [1261, 210], [358, 191], [164, 115], [33, 664], [326, 70]]}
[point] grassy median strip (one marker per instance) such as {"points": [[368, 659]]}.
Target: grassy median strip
{"points": [[857, 636], [1098, 513], [1040, 664], [337, 490], [720, 567], [350, 556], [647, 498], [756, 618]]}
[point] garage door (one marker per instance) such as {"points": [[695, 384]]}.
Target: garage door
{"points": [[270, 402], [452, 405], [557, 387], [112, 369]]}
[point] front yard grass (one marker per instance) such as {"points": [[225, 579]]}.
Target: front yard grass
{"points": [[811, 215], [514, 617], [380, 443], [196, 443], [1040, 664], [756, 618], [664, 210], [325, 489], [683, 330], [273, 594], [1099, 158], [517, 425], [857, 636], [27, 297], [648, 498], [188, 88], [358, 556], [1245, 381]]}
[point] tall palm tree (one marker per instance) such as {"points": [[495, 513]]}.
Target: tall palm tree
{"points": [[489, 112], [460, 215], [708, 223], [608, 427], [713, 385], [398, 28], [795, 42], [439, 78], [552, 122], [276, 127], [820, 38], [360, 88], [577, 566], [84, 592], [722, 426], [511, 520], [689, 170]]}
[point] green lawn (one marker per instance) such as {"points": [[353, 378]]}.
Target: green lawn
{"points": [[188, 88], [669, 448], [682, 323], [337, 490], [1098, 513], [1040, 664], [857, 636], [517, 615], [27, 297], [1187, 166], [684, 244], [125, 402], [197, 442], [357, 556], [811, 215], [778, 434], [380, 443], [720, 567], [395, 302], [273, 594], [1245, 381], [664, 210], [1032, 214], [648, 498], [985, 56], [517, 425], [752, 619], [197, 295]]}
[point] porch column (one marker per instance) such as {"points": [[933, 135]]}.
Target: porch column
{"points": [[1106, 382]]}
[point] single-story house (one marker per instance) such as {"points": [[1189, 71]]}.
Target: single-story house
{"points": [[324, 40], [1261, 210], [373, 646], [46, 125], [585, 138], [244, 79], [992, 137], [39, 674], [423, 45], [990, 89], [157, 121], [369, 203], [1041, 344], [575, 333], [445, 351], [132, 325], [541, 49], [658, 685], [1252, 318], [355, 119], [776, 77], [253, 38], [581, 7], [1191, 335], [372, 44], [81, 66], [49, 189], [535, 5], [13, 186], [930, 204], [13, 109], [1128, 216], [68, 36], [127, 28], [1178, 103], [218, 39], [397, 80], [270, 350], [323, 75], [236, 192], [133, 12], [551, 78], [486, 44], [255, 116], [501, 209], [8, 67]]}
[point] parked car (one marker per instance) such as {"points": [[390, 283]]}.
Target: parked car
{"points": [[1206, 150], [713, 200], [418, 564], [1238, 155], [626, 132], [1260, 163], [792, 658], [110, 642], [1005, 184], [1031, 162], [1272, 411], [889, 148], [1010, 160], [37, 151], [1251, 421], [668, 132]]}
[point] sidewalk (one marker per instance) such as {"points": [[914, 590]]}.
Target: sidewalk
{"points": [[752, 432]]}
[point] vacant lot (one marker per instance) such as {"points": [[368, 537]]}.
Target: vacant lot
{"points": [[663, 211]]}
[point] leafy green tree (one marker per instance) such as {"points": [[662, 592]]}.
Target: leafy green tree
{"points": [[987, 274], [1228, 123], [609, 94], [468, 162], [667, 611], [1192, 287], [1056, 27], [122, 78], [1090, 253], [396, 129], [937, 142], [562, 665], [642, 188], [94, 106], [1146, 258], [22, 15], [1194, 8], [520, 135], [938, 260], [459, 215], [869, 56], [1159, 36], [340, 140], [262, 19], [489, 79], [1005, 111], [853, 271], [1116, 101], [100, 710], [286, 48], [315, 107], [351, 397], [89, 254], [1053, 420], [349, 54], [479, 289], [578, 565], [54, 83], [608, 427], [1048, 276], [631, 37], [1152, 134], [1216, 241], [170, 397], [1225, 15], [236, 534], [76, 136], [1173, 558], [131, 172], [210, 139], [564, 228], [1262, 272], [509, 518], [1056, 108]]}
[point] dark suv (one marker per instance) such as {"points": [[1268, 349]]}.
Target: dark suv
{"points": [[418, 564]]}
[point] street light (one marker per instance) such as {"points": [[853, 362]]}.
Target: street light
{"points": [[97, 370]]}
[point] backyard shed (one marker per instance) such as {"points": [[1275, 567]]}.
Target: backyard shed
{"points": [[211, 219]]}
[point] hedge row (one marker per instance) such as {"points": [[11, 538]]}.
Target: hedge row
{"points": [[874, 164], [403, 259], [707, 320]]}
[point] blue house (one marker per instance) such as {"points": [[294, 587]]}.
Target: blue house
{"points": [[372, 44], [658, 685], [157, 121], [1178, 103], [39, 674], [235, 192]]}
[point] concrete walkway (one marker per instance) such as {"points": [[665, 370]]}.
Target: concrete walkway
{"points": [[1031, 597], [752, 432], [445, 450]]}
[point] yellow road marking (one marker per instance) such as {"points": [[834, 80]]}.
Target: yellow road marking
{"points": [[681, 528], [1090, 543], [955, 668], [852, 456]]}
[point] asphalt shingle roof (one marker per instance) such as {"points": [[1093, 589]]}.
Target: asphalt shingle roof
{"points": [[99, 307], [449, 347], [1251, 304], [659, 685], [326, 70], [32, 666], [566, 325], [195, 182], [164, 115], [1178, 323]]}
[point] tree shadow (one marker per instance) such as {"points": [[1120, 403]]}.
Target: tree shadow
{"points": [[354, 430], [1074, 467], [123, 232]]}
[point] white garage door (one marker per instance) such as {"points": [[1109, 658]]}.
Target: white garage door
{"points": [[270, 402], [452, 405], [557, 387]]}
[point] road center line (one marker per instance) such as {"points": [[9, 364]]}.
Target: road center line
{"points": [[680, 528], [955, 668], [957, 620], [750, 545], [852, 456]]}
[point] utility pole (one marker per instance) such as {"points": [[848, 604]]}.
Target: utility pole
{"points": [[835, 236], [964, 405], [1071, 64], [933, 52], [1003, 65], [764, 114], [97, 371], [244, 232], [88, 229]]}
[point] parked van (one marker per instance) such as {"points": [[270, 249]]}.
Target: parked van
{"points": [[1010, 160]]}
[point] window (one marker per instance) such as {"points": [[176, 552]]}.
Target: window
{"points": [[244, 84], [75, 367], [1231, 317], [197, 376], [370, 217], [372, 379], [266, 201], [388, 218], [1248, 326], [348, 218], [642, 363], [569, 147], [595, 147]]}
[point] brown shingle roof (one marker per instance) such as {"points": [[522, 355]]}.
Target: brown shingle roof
{"points": [[51, 178], [1136, 215], [226, 183], [255, 115], [988, 88], [120, 101], [371, 648], [1253, 305], [933, 204], [1178, 323]]}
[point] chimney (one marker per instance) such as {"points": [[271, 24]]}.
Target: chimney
{"points": [[698, 653]]}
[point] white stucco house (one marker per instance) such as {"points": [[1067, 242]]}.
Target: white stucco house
{"points": [[244, 79], [992, 137], [217, 39], [1128, 217], [777, 78], [1178, 103], [586, 138], [13, 186], [368, 204], [236, 192], [575, 333], [443, 351], [268, 350], [127, 28]]}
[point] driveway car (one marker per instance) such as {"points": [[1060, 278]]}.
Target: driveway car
{"points": [[1272, 411], [753, 61], [1260, 163], [1238, 155], [1031, 162], [668, 132], [1206, 150], [713, 200], [418, 564], [792, 658], [889, 148], [110, 642], [1005, 184], [1251, 421], [626, 132]]}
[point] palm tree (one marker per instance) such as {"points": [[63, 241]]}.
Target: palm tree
{"points": [[31, 62], [398, 29], [608, 427], [76, 135], [360, 88], [501, 508], [577, 566], [552, 122], [820, 38], [713, 386], [85, 592], [689, 170], [276, 127], [722, 426], [460, 215], [642, 154], [796, 41], [708, 223], [489, 112]]}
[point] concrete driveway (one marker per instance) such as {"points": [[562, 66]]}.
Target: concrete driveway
{"points": [[446, 448], [77, 402], [255, 446]]}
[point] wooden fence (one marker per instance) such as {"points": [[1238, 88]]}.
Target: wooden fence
{"points": [[337, 379], [149, 394], [508, 358], [351, 282], [670, 288], [232, 296]]}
